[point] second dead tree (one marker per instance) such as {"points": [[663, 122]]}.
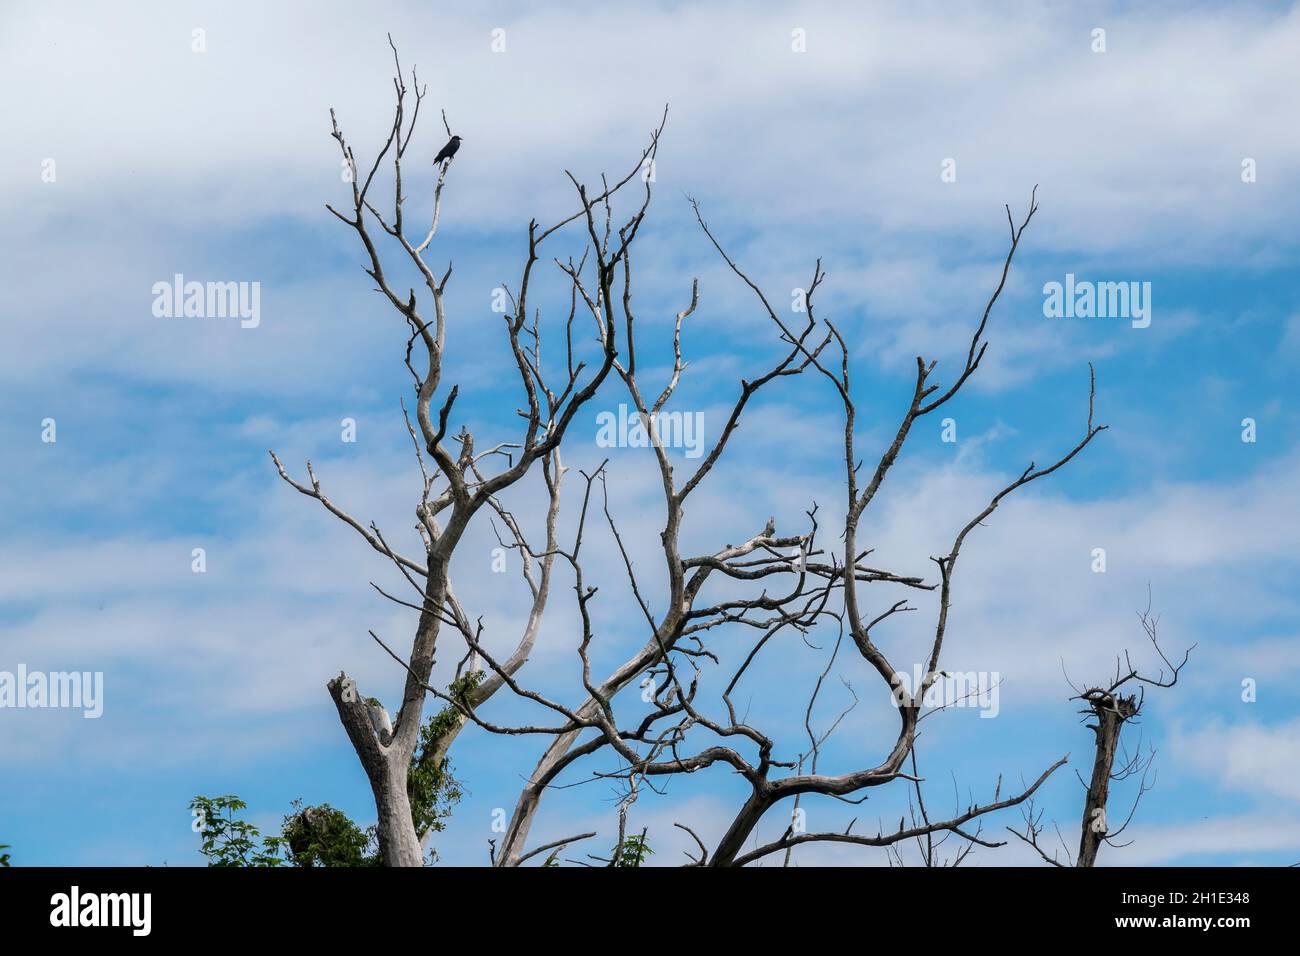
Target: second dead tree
{"points": [[1110, 710]]}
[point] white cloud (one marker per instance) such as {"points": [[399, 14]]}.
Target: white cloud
{"points": [[172, 161], [1245, 837], [860, 121], [1248, 756]]}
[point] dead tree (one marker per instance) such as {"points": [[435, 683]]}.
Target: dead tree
{"points": [[769, 586], [1111, 710]]}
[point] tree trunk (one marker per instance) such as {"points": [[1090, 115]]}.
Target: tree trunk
{"points": [[512, 846], [398, 842], [734, 839], [385, 749], [1110, 720], [387, 763]]}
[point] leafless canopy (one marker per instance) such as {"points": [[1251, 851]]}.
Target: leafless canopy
{"points": [[775, 583]]}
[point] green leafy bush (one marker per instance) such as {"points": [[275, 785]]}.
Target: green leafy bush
{"points": [[230, 841]]}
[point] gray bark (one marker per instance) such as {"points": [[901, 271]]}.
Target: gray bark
{"points": [[1110, 715]]}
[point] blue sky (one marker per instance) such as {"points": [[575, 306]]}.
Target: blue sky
{"points": [[217, 165]]}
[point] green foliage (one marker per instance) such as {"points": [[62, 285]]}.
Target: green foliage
{"points": [[633, 851], [229, 841], [310, 836], [4, 857], [430, 786], [325, 836]]}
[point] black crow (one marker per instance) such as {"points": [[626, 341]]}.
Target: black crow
{"points": [[448, 151]]}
